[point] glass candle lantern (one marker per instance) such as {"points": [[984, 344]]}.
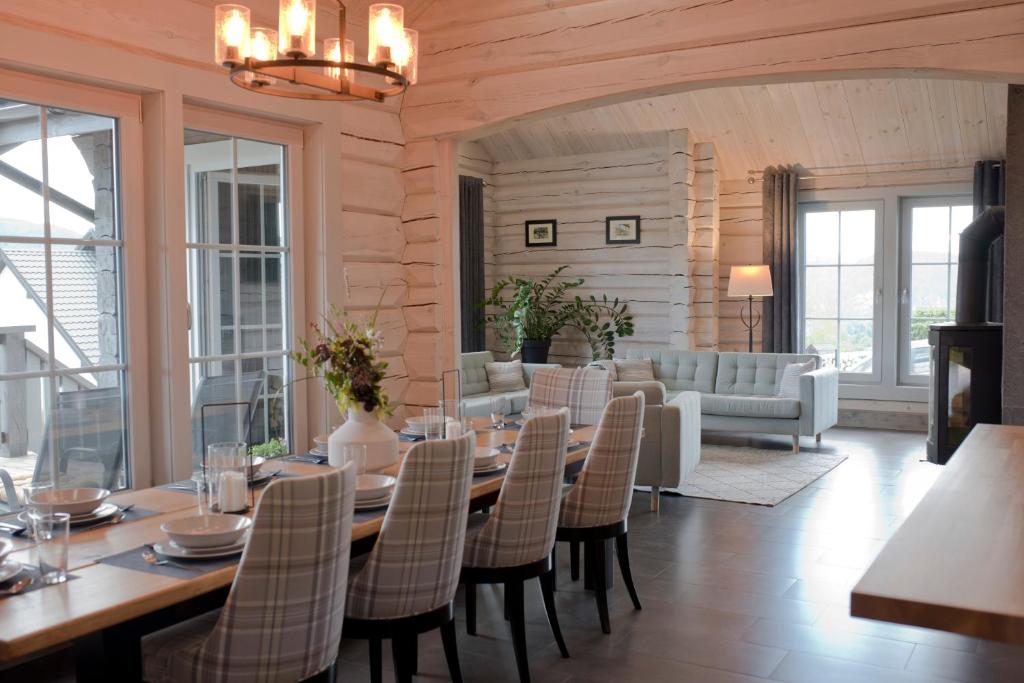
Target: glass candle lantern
{"points": [[334, 53], [231, 27], [407, 54], [262, 47], [387, 32], [297, 28], [227, 469]]}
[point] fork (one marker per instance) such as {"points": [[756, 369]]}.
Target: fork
{"points": [[150, 556]]}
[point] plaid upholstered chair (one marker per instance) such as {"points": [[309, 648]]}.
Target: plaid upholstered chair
{"points": [[408, 582], [585, 391], [513, 543], [283, 617], [596, 508]]}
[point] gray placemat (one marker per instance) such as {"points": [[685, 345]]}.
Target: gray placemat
{"points": [[132, 515], [409, 438], [36, 584], [308, 458], [178, 569], [189, 486]]}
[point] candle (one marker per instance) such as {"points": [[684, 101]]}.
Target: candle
{"points": [[452, 430], [232, 490]]}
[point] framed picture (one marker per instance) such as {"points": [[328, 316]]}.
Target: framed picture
{"points": [[622, 230], [542, 233]]}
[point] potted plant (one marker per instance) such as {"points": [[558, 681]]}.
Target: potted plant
{"points": [[537, 310], [275, 448]]}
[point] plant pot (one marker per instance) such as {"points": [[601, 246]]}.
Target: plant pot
{"points": [[535, 350], [364, 428]]}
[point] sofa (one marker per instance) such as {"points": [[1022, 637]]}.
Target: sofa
{"points": [[738, 391], [476, 390]]}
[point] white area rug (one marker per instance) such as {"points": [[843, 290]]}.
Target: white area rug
{"points": [[755, 475]]}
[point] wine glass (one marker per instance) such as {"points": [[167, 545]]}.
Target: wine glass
{"points": [[500, 407]]}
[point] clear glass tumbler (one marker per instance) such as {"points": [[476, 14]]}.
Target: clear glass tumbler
{"points": [[355, 453], [433, 423], [51, 532], [227, 476], [500, 408]]}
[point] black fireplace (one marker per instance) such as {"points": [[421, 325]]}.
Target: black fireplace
{"points": [[967, 355]]}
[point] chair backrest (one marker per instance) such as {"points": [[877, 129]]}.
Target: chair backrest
{"points": [[604, 488], [283, 617], [755, 374], [219, 422], [521, 526], [414, 565], [584, 391], [89, 439], [474, 374]]}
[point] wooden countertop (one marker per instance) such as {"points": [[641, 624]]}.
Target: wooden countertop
{"points": [[957, 562], [104, 595]]}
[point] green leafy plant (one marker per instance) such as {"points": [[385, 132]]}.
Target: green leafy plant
{"points": [[274, 448], [540, 309]]}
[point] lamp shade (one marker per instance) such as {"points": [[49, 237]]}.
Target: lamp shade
{"points": [[750, 281]]}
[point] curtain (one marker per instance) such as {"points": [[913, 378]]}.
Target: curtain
{"points": [[989, 191], [780, 313], [471, 261]]}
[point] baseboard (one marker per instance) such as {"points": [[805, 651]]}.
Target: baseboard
{"points": [[877, 419]]}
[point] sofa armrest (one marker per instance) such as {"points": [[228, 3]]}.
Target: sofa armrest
{"points": [[819, 401], [530, 368], [681, 432], [653, 391]]}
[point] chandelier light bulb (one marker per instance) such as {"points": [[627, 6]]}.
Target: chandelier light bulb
{"points": [[297, 28], [231, 27], [387, 32]]}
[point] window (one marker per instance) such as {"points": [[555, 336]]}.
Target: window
{"points": [[929, 245], [63, 363], [840, 309], [238, 264]]}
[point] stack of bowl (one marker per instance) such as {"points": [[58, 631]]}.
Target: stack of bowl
{"points": [[204, 537], [373, 491], [84, 505]]}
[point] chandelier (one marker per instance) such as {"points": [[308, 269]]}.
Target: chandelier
{"points": [[282, 62]]}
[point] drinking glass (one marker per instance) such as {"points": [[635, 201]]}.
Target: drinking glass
{"points": [[28, 494], [433, 423], [355, 453], [202, 492], [500, 407], [51, 532]]}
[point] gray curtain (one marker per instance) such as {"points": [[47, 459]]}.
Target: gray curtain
{"points": [[780, 313], [989, 191], [471, 261]]}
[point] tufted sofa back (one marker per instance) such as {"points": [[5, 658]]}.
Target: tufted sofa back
{"points": [[755, 374], [474, 376], [682, 370]]}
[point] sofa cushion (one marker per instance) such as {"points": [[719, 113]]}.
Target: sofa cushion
{"points": [[608, 365], [479, 405], [474, 376], [749, 406], [754, 374], [789, 384], [634, 370], [682, 370], [507, 376]]}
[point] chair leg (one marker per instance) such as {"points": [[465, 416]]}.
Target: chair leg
{"points": [[547, 589], [655, 499], [796, 443], [514, 600], [554, 566], [597, 569], [451, 651], [403, 654], [375, 661], [622, 550], [817, 438], [471, 608], [574, 560]]}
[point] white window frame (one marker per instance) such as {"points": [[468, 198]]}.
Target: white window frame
{"points": [[127, 110], [907, 205], [875, 376], [291, 137]]}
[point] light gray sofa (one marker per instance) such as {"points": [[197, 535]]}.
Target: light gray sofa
{"points": [[738, 391], [476, 390]]}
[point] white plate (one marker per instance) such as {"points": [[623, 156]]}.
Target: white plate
{"points": [[368, 505], [491, 470], [373, 487], [408, 433], [9, 569], [171, 550], [104, 511]]}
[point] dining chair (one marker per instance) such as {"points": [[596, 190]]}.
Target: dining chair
{"points": [[283, 616], [513, 543], [585, 391], [595, 510], [408, 581]]}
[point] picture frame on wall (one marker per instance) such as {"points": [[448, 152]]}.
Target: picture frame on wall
{"points": [[542, 233], [622, 230]]}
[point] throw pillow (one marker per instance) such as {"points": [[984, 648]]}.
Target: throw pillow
{"points": [[635, 370], [789, 385], [607, 365], [505, 376]]}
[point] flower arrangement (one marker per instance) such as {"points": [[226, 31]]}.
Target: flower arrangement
{"points": [[345, 355]]}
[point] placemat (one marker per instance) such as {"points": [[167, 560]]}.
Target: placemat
{"points": [[309, 459], [177, 569], [36, 584], [189, 486], [131, 515]]}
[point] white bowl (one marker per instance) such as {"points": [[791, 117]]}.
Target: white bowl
{"points": [[206, 531], [254, 468], [485, 457], [320, 440], [373, 486], [76, 501], [5, 548]]}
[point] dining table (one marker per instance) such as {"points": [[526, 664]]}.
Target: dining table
{"points": [[101, 599]]}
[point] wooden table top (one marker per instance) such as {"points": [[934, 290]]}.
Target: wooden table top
{"points": [[957, 562], [104, 595]]}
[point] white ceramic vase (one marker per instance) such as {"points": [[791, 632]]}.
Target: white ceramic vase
{"points": [[364, 428]]}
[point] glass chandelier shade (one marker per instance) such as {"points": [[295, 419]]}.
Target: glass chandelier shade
{"points": [[231, 27], [297, 28], [387, 32]]}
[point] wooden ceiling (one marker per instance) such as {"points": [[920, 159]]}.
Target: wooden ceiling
{"points": [[827, 126]]}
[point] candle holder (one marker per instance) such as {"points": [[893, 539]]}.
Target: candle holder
{"points": [[230, 459]]}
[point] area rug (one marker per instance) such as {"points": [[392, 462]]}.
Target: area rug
{"points": [[755, 475]]}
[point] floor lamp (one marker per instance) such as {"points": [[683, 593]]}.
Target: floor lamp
{"points": [[750, 281]]}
